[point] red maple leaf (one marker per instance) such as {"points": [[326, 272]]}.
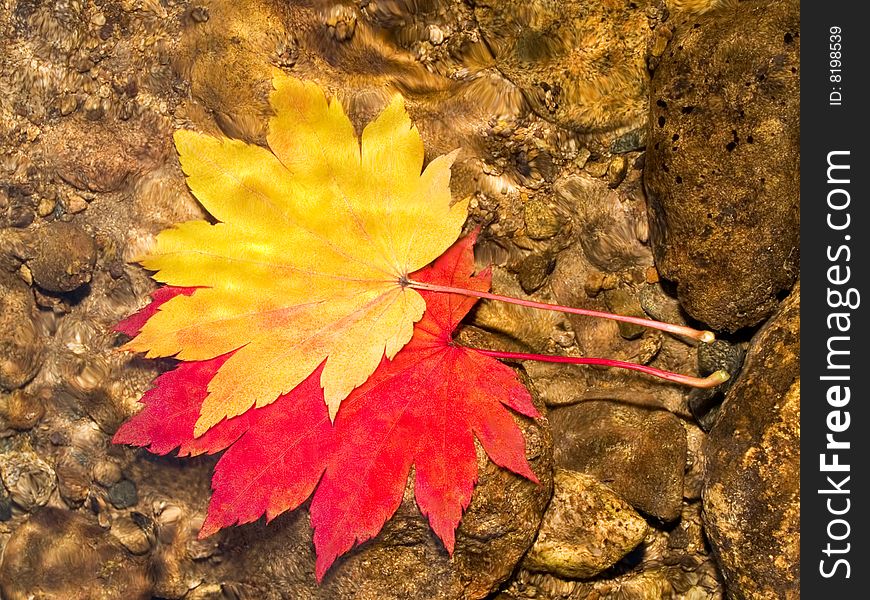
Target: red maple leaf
{"points": [[423, 409]]}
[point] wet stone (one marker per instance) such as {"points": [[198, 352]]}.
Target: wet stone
{"points": [[721, 160], [21, 346], [21, 410], [627, 142], [616, 171], [720, 354], [99, 154], [5, 505], [107, 473], [28, 479], [73, 481], [534, 270], [542, 220], [638, 452], [68, 104], [131, 535], [21, 216], [123, 494], [752, 487], [597, 168], [623, 301], [65, 258], [579, 64], [45, 207], [586, 529], [61, 555]]}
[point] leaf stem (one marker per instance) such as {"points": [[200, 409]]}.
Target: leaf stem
{"points": [[695, 334], [699, 382]]}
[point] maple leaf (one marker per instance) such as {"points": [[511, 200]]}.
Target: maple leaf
{"points": [[308, 259], [423, 408]]}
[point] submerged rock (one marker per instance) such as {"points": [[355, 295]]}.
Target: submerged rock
{"points": [[21, 347], [752, 488], [722, 162], [64, 258], [61, 555], [29, 480], [579, 64], [637, 452], [586, 529]]}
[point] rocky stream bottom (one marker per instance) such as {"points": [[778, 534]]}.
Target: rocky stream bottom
{"points": [[638, 157]]}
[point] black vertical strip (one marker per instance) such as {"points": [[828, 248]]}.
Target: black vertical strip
{"points": [[835, 234]]}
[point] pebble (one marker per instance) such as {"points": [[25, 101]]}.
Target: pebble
{"points": [[622, 301], [107, 473], [597, 168], [22, 410], [21, 345], [542, 221], [5, 505], [616, 171], [199, 14], [706, 403], [76, 204], [45, 207], [586, 529], [436, 35], [123, 494], [719, 354], [582, 157], [65, 258], [639, 453], [73, 481], [25, 274], [131, 535], [534, 270], [598, 281], [341, 23], [93, 108], [630, 141], [21, 216]]}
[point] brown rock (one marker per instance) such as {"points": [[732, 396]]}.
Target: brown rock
{"points": [[586, 529], [752, 488], [624, 301], [579, 64], [533, 272], [106, 473], [722, 162], [103, 157], [21, 410], [637, 452], [64, 259], [226, 59], [21, 346], [28, 479], [541, 219], [73, 477], [61, 555]]}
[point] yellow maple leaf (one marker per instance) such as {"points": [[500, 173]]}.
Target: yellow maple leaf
{"points": [[307, 259]]}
